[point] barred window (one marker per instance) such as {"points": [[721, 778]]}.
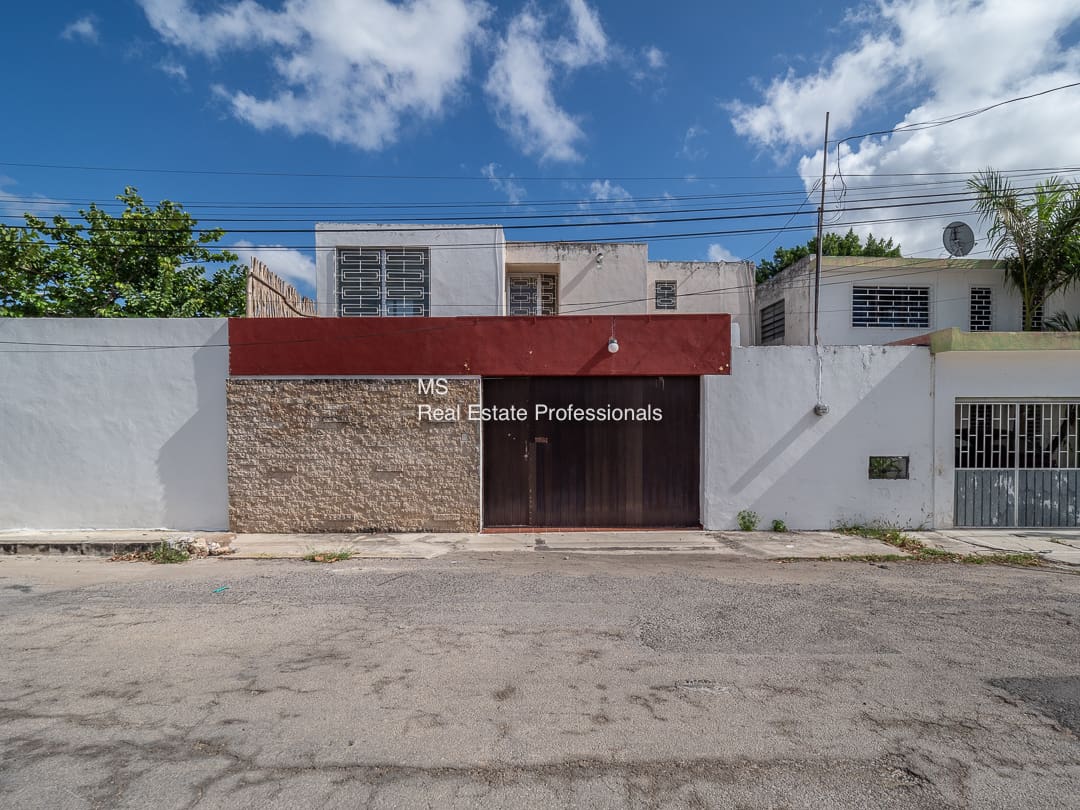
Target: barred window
{"points": [[1036, 320], [1023, 435], [772, 323], [532, 294], [980, 310], [666, 294], [891, 307], [384, 281]]}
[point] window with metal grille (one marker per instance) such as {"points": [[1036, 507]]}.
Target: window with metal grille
{"points": [[980, 309], [384, 281], [532, 294], [1021, 435], [891, 307], [1036, 320], [772, 323], [666, 294]]}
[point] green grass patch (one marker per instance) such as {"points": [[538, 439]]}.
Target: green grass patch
{"points": [[1004, 559], [917, 550], [328, 556], [166, 555]]}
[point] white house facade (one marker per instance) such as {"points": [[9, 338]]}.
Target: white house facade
{"points": [[881, 300], [453, 270]]}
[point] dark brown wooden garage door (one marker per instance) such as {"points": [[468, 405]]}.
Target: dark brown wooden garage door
{"points": [[575, 472]]}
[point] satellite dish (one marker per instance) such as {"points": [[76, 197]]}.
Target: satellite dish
{"points": [[958, 238]]}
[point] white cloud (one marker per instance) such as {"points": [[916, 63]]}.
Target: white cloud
{"points": [[793, 113], [950, 56], [655, 58], [589, 45], [719, 253], [527, 63], [84, 28], [174, 70], [690, 150], [294, 266], [14, 204], [515, 192], [605, 191], [362, 72]]}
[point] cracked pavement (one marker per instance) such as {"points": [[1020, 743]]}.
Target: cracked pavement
{"points": [[541, 680]]}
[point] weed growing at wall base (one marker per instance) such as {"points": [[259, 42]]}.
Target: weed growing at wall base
{"points": [[748, 520]]}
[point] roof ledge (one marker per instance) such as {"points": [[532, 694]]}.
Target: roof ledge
{"points": [[955, 340]]}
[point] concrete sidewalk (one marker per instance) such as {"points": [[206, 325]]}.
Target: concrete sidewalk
{"points": [[1059, 546], [1053, 545], [731, 545]]}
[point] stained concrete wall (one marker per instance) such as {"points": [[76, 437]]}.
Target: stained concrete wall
{"points": [[764, 448], [708, 287], [351, 455], [618, 280], [466, 264], [114, 424], [1008, 375]]}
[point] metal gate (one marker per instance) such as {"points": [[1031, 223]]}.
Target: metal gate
{"points": [[1018, 464]]}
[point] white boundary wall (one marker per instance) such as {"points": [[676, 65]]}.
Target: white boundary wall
{"points": [[126, 434], [764, 448], [113, 438]]}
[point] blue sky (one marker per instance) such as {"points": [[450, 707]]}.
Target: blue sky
{"points": [[527, 103]]}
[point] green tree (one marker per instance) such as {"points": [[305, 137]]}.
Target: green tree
{"points": [[149, 262], [1037, 235], [832, 244]]}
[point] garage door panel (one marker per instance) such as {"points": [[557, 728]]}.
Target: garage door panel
{"points": [[567, 473]]}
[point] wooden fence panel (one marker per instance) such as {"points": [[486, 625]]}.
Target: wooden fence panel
{"points": [[270, 296]]}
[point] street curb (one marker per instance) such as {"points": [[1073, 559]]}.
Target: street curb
{"points": [[78, 549]]}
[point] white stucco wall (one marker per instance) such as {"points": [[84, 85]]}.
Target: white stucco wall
{"points": [[466, 263], [616, 285], [950, 282], [764, 449], [122, 437], [705, 287], [1009, 375]]}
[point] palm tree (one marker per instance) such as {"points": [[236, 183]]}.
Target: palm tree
{"points": [[1037, 235]]}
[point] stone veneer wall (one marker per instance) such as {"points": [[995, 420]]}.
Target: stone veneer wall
{"points": [[350, 455]]}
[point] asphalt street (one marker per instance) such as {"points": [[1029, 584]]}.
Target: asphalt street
{"points": [[538, 680]]}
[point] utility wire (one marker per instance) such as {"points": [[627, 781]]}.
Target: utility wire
{"points": [[579, 203], [87, 347]]}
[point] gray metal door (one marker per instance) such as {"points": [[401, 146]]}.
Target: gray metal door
{"points": [[1018, 464]]}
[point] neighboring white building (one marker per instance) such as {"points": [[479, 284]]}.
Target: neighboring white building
{"points": [[450, 270], [882, 300], [422, 270]]}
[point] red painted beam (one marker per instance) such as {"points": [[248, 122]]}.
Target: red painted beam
{"points": [[566, 345]]}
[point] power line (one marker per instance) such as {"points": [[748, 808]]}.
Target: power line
{"points": [[579, 202], [918, 126], [893, 203], [85, 348]]}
